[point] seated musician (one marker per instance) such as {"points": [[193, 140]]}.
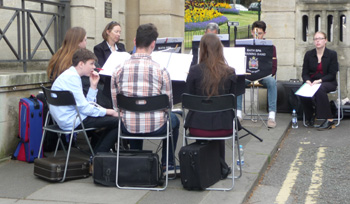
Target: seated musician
{"points": [[211, 77], [259, 30], [148, 79]]}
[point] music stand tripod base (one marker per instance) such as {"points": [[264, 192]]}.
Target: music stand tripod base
{"points": [[254, 114]]}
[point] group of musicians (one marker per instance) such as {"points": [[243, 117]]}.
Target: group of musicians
{"points": [[210, 77]]}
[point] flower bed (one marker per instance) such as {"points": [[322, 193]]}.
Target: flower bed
{"points": [[199, 14], [201, 25], [228, 10]]}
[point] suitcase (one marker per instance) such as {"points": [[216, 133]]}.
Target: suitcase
{"points": [[286, 98], [50, 140], [136, 169], [30, 127], [52, 168], [200, 165]]}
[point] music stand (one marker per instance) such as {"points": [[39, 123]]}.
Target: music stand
{"points": [[224, 38], [174, 43], [258, 66]]}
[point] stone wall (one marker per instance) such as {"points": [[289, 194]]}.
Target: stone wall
{"points": [[284, 28]]}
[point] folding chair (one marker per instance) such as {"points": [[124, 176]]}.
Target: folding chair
{"points": [[338, 104], [63, 98], [142, 105], [212, 105]]}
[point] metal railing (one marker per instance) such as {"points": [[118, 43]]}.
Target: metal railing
{"points": [[242, 33], [25, 20]]}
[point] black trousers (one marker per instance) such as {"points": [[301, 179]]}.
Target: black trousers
{"points": [[106, 138], [319, 103]]}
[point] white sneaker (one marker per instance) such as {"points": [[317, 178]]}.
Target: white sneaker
{"points": [[240, 119], [271, 123]]}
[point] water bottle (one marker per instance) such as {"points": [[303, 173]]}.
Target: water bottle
{"points": [[241, 152], [294, 119]]}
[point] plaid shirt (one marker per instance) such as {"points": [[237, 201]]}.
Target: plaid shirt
{"points": [[141, 76]]}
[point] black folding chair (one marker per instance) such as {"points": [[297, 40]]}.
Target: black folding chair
{"points": [[63, 98], [142, 105], [211, 105]]}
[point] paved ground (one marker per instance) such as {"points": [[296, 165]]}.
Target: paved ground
{"points": [[311, 167], [19, 185]]}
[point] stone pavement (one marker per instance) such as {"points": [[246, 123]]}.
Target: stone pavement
{"points": [[19, 185]]}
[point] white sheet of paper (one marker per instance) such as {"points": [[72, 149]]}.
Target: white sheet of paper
{"points": [[235, 57], [307, 91], [178, 65], [113, 61]]}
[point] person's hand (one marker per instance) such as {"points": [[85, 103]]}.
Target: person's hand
{"points": [[94, 78], [308, 82], [316, 82], [112, 112]]}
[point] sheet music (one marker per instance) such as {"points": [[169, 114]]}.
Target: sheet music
{"points": [[307, 91], [235, 57], [178, 65], [113, 61]]}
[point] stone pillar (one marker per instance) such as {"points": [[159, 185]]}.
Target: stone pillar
{"points": [[167, 15], [279, 17], [83, 14], [132, 21], [91, 16]]}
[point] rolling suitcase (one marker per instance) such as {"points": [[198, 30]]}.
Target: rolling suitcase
{"points": [[52, 168], [200, 165], [30, 127], [140, 169]]}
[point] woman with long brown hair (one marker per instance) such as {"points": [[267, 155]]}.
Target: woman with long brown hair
{"points": [[211, 77], [75, 38]]}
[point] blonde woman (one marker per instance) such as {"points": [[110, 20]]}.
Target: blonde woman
{"points": [[320, 67]]}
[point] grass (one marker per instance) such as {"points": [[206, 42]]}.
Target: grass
{"points": [[244, 18]]}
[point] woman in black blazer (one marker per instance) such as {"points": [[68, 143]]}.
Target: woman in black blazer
{"points": [[111, 36], [320, 67], [211, 77]]}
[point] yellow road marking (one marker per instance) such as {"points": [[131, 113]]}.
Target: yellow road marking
{"points": [[316, 179], [289, 182]]}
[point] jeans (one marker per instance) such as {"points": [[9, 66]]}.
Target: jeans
{"points": [[270, 83], [108, 137], [137, 144]]}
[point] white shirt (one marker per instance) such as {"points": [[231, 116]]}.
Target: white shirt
{"points": [[115, 45], [65, 115]]}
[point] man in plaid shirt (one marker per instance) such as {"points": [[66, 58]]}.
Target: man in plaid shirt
{"points": [[141, 76]]}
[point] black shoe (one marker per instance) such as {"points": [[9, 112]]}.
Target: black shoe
{"points": [[311, 122], [326, 125]]}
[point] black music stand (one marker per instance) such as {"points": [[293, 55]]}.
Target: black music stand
{"points": [[240, 89], [259, 65], [224, 38]]}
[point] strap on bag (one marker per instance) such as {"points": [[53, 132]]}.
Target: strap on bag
{"points": [[15, 155], [35, 101]]}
